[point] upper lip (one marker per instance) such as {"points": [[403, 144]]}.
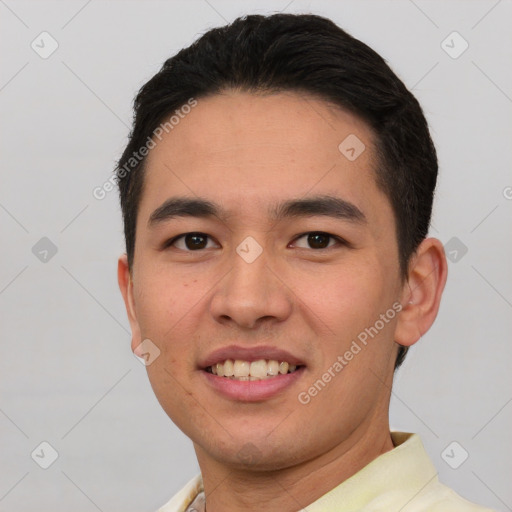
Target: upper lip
{"points": [[250, 354]]}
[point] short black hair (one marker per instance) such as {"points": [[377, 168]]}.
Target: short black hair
{"points": [[302, 53]]}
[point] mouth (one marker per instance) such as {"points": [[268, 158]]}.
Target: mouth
{"points": [[260, 369], [251, 374]]}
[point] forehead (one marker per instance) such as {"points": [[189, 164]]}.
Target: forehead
{"points": [[246, 151]]}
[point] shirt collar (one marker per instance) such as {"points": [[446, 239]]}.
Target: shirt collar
{"points": [[398, 475]]}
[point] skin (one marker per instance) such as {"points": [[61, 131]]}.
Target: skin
{"points": [[247, 152]]}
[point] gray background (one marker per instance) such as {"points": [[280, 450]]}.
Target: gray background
{"points": [[67, 374]]}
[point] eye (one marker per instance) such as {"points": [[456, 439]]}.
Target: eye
{"points": [[189, 241], [318, 240]]}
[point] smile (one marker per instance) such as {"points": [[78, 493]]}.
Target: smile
{"points": [[250, 371]]}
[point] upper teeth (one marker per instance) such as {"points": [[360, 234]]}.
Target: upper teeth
{"points": [[246, 370]]}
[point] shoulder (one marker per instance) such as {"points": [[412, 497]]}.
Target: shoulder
{"points": [[180, 501], [405, 479], [444, 499], [435, 497]]}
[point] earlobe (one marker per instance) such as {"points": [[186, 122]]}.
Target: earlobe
{"points": [[125, 281], [421, 294]]}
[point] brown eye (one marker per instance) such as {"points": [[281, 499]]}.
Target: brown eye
{"points": [[195, 241], [317, 240], [190, 241]]}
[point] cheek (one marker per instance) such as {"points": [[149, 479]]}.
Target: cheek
{"points": [[344, 300], [163, 300]]}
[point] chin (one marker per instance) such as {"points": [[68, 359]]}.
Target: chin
{"points": [[255, 455]]}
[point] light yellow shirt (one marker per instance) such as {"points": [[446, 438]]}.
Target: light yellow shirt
{"points": [[403, 479]]}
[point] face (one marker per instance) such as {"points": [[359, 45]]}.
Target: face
{"points": [[292, 259]]}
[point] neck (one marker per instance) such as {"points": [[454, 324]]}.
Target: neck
{"points": [[290, 489]]}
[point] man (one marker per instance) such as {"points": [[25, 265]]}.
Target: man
{"points": [[276, 193]]}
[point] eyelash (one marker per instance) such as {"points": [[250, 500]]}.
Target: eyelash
{"points": [[340, 241]]}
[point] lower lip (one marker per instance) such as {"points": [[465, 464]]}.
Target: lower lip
{"points": [[252, 390]]}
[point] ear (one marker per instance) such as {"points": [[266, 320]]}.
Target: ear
{"points": [[125, 281], [421, 293]]}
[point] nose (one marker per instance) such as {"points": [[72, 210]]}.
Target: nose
{"points": [[251, 294]]}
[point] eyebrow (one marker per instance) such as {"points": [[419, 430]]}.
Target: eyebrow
{"points": [[323, 205]]}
